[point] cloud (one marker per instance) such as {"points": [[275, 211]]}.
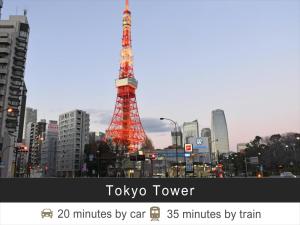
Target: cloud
{"points": [[102, 118], [154, 125]]}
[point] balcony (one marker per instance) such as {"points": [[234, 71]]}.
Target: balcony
{"points": [[5, 50], [16, 83], [15, 93], [5, 40], [16, 78], [4, 60], [22, 39], [17, 73], [21, 49], [18, 67], [3, 70], [2, 81], [20, 58], [15, 88]]}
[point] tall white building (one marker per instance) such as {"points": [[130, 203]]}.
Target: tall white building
{"points": [[30, 117], [73, 135], [14, 34], [190, 131], [219, 133]]}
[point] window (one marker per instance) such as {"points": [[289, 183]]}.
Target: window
{"points": [[23, 34]]}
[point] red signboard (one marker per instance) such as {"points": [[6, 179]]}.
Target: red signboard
{"points": [[188, 147]]}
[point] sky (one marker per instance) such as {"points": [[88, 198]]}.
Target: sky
{"points": [[190, 57]]}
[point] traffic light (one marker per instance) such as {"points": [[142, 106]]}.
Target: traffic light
{"points": [[153, 156]]}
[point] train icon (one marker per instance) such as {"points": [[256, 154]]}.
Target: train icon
{"points": [[154, 213]]}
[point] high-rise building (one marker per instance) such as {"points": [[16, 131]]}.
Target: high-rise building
{"points": [[219, 133], [190, 131], [14, 34], [49, 149], [177, 134], [37, 136], [73, 135], [30, 116]]}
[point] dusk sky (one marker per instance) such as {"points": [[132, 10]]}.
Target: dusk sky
{"points": [[190, 57]]}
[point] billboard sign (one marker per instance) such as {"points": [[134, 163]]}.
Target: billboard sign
{"points": [[201, 143]]}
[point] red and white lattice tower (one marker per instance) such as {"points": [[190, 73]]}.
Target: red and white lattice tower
{"points": [[126, 128]]}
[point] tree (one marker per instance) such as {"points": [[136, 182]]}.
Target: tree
{"points": [[148, 145]]}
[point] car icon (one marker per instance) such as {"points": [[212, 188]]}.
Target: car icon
{"points": [[47, 213]]}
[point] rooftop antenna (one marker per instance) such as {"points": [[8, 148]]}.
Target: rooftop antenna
{"points": [[25, 12], [1, 5], [127, 5]]}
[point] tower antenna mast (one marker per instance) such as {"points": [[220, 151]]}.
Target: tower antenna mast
{"points": [[127, 5]]}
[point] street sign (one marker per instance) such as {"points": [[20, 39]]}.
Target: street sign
{"points": [[188, 148]]}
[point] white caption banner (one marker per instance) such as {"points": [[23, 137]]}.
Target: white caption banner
{"points": [[144, 213]]}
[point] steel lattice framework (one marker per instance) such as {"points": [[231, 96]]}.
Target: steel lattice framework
{"points": [[126, 128]]}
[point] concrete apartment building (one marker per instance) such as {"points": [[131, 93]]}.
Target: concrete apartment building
{"points": [[37, 133], [14, 34], [73, 135]]}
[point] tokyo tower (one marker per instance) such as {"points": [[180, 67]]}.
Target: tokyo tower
{"points": [[126, 128]]}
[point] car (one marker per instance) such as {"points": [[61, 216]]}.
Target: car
{"points": [[47, 213], [287, 175]]}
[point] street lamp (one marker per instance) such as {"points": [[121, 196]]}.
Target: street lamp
{"points": [[9, 110], [175, 124]]}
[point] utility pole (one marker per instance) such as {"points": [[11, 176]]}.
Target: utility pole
{"points": [[175, 124]]}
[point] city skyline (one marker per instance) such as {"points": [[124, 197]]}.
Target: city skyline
{"points": [[225, 59]]}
